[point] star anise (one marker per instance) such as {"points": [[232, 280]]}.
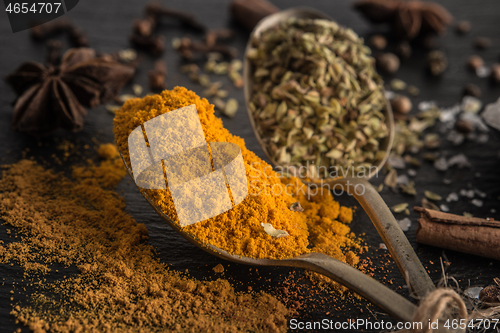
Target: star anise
{"points": [[55, 97], [409, 19]]}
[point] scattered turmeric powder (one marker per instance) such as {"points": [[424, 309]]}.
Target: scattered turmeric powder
{"points": [[121, 286], [239, 230]]}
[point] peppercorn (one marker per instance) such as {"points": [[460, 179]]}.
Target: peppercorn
{"points": [[464, 126], [471, 89], [437, 62], [482, 43], [495, 73], [430, 42], [491, 293], [388, 62], [474, 62], [157, 76], [401, 104], [403, 50], [378, 42], [463, 27]]}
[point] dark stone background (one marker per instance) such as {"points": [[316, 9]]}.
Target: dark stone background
{"points": [[108, 25]]}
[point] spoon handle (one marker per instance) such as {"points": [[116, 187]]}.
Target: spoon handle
{"points": [[372, 290], [408, 263]]}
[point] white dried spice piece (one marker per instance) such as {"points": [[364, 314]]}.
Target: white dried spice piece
{"points": [[483, 71], [467, 193], [477, 202], [403, 179], [389, 94], [426, 105], [444, 208], [473, 292], [459, 160], [455, 137], [480, 193], [412, 172], [405, 224], [449, 114], [269, 229], [452, 197], [471, 104], [441, 164], [396, 162], [382, 246], [447, 181]]}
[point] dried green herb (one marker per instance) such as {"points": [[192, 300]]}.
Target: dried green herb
{"points": [[317, 98]]}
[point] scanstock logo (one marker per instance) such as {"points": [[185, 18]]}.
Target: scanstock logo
{"points": [[170, 151], [24, 14]]}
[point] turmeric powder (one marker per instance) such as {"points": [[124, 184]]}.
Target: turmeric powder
{"points": [[239, 230]]}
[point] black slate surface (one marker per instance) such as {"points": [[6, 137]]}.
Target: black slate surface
{"points": [[108, 24]]}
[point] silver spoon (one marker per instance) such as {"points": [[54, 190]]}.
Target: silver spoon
{"points": [[395, 240], [409, 264]]}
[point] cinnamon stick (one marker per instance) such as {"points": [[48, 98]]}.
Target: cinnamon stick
{"points": [[459, 233]]}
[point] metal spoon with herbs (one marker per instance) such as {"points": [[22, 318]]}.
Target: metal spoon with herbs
{"points": [[317, 100]]}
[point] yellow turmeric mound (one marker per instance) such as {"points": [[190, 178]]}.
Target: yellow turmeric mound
{"points": [[239, 230]]}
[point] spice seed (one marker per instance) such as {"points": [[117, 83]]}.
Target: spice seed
{"points": [[401, 104], [474, 62], [429, 205], [400, 208], [271, 231], [463, 27], [231, 107], [388, 62], [378, 42], [482, 43], [432, 196]]}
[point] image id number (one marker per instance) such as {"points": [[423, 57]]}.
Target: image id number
{"points": [[37, 8]]}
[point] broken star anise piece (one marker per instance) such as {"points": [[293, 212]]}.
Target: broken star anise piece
{"points": [[409, 19], [55, 97]]}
